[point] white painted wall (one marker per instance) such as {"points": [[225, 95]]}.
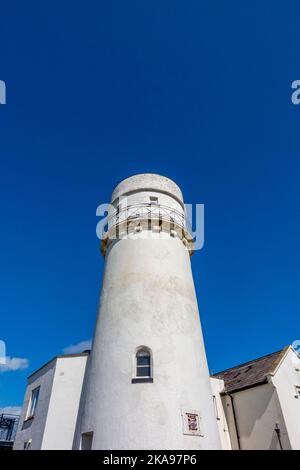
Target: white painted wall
{"points": [[259, 408], [285, 379], [148, 298], [217, 386], [34, 428], [64, 403], [257, 411], [53, 425]]}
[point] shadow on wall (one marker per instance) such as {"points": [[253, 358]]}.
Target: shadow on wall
{"points": [[258, 412]]}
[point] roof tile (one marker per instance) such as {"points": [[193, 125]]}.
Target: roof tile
{"points": [[249, 374]]}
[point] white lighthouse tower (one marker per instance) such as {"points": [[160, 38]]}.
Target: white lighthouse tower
{"points": [[147, 384]]}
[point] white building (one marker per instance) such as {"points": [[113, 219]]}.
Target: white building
{"points": [[51, 403], [257, 404], [146, 384], [261, 403]]}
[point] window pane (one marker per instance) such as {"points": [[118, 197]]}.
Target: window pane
{"points": [[34, 401], [36, 393], [143, 371], [142, 352], [143, 360]]}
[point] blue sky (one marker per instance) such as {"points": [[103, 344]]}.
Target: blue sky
{"points": [[198, 91]]}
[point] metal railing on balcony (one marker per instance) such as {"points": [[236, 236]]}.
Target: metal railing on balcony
{"points": [[147, 211], [8, 428]]}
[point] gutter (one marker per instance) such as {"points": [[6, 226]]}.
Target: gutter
{"points": [[246, 387], [235, 421]]}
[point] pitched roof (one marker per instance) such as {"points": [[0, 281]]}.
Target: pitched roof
{"points": [[250, 373]]}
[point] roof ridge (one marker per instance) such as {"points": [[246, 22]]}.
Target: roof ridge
{"points": [[248, 362]]}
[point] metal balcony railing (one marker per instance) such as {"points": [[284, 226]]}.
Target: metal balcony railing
{"points": [[147, 211], [8, 427]]}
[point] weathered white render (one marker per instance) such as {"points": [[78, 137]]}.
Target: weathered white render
{"points": [[264, 414], [217, 386], [54, 421], [148, 301]]}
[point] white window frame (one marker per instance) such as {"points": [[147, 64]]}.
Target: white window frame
{"points": [[33, 402], [148, 350], [141, 379]]}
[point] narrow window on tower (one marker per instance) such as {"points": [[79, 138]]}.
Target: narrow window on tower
{"points": [[143, 365], [153, 200]]}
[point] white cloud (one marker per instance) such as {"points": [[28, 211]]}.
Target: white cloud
{"points": [[11, 410], [78, 348], [2, 352], [13, 364]]}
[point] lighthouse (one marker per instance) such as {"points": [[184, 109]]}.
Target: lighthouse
{"points": [[147, 383]]}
